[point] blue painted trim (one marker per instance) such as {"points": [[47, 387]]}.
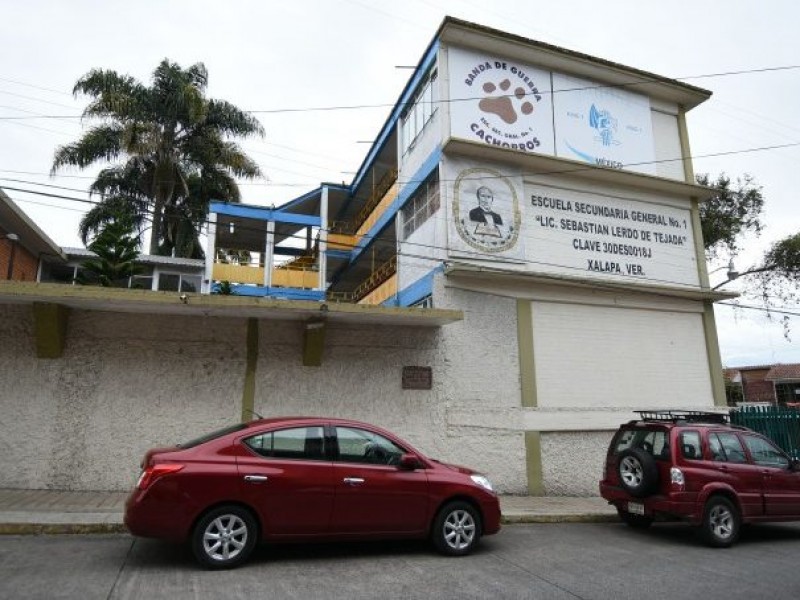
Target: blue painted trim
{"points": [[278, 293], [263, 214], [343, 254], [388, 127], [299, 199], [419, 289], [431, 163]]}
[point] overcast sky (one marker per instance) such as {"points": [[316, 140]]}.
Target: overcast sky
{"points": [[271, 56]]}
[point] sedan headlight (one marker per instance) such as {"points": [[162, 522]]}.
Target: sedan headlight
{"points": [[483, 482]]}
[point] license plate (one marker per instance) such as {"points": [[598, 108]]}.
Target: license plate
{"points": [[635, 508]]}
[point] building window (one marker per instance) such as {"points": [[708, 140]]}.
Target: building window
{"points": [[787, 392], [421, 109], [426, 302], [176, 282], [141, 282], [422, 205]]}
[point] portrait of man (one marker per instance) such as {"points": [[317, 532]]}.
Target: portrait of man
{"points": [[488, 221], [485, 209]]}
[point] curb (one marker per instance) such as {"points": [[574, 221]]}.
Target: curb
{"points": [[116, 528], [60, 528], [522, 519]]}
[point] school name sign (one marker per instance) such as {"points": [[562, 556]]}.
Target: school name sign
{"points": [[582, 234]]}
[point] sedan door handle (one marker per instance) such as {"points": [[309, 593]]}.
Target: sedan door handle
{"points": [[353, 480], [255, 478]]}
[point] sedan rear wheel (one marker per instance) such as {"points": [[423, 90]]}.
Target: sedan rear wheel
{"points": [[224, 538], [457, 529]]}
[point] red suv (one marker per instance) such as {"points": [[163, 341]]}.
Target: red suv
{"points": [[694, 466], [305, 479]]}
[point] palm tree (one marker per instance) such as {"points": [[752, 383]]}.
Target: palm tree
{"points": [[175, 151]]}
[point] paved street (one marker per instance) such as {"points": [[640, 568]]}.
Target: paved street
{"points": [[602, 560]]}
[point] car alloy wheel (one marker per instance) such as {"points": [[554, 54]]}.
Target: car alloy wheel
{"points": [[638, 472], [721, 522], [456, 529], [630, 469], [224, 538]]}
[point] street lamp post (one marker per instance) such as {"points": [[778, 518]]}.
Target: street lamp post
{"points": [[12, 238]]}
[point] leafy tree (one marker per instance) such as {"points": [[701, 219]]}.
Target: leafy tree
{"points": [[116, 247], [734, 211], [174, 148]]}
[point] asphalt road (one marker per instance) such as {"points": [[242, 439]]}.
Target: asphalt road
{"points": [[559, 561]]}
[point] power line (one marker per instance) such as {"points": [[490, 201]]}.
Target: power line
{"points": [[632, 83], [561, 171], [764, 309], [375, 239]]}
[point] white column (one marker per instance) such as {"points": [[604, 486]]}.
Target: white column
{"points": [[323, 239], [269, 253], [211, 244], [156, 276]]}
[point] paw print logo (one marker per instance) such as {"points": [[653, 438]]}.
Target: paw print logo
{"points": [[503, 105]]}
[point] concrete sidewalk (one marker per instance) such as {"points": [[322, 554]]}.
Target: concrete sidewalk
{"points": [[50, 511]]}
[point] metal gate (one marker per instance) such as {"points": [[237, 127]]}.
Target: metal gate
{"points": [[780, 424]]}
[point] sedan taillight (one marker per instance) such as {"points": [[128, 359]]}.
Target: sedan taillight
{"points": [[153, 472]]}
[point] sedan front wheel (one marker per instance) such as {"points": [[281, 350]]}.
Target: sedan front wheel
{"points": [[456, 529]]}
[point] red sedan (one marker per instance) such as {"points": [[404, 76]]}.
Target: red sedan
{"points": [[291, 479]]}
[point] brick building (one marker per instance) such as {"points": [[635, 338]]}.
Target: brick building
{"points": [[23, 246]]}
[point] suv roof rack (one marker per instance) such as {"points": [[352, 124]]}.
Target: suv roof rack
{"points": [[685, 416]]}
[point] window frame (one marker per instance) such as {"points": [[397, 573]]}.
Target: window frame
{"points": [[757, 438], [416, 116], [371, 437], [324, 455], [422, 205], [682, 443]]}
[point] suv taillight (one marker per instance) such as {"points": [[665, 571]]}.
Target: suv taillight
{"points": [[153, 472]]}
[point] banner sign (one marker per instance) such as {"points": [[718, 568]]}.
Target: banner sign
{"points": [[514, 105], [583, 234], [602, 125], [500, 102]]}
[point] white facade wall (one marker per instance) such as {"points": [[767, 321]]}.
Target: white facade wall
{"points": [[129, 382], [125, 383], [667, 141], [602, 357]]}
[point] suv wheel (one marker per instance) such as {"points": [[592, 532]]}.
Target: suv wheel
{"points": [[721, 522], [638, 472], [635, 521]]}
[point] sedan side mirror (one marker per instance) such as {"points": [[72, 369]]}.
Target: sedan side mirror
{"points": [[409, 462]]}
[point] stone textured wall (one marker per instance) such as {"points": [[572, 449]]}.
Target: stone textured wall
{"points": [[128, 382], [125, 383], [481, 357], [572, 462]]}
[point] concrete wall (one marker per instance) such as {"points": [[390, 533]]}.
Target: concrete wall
{"points": [[125, 383]]}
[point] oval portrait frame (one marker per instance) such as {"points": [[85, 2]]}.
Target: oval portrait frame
{"points": [[502, 244]]}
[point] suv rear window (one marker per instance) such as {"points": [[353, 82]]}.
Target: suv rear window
{"points": [[652, 441]]}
